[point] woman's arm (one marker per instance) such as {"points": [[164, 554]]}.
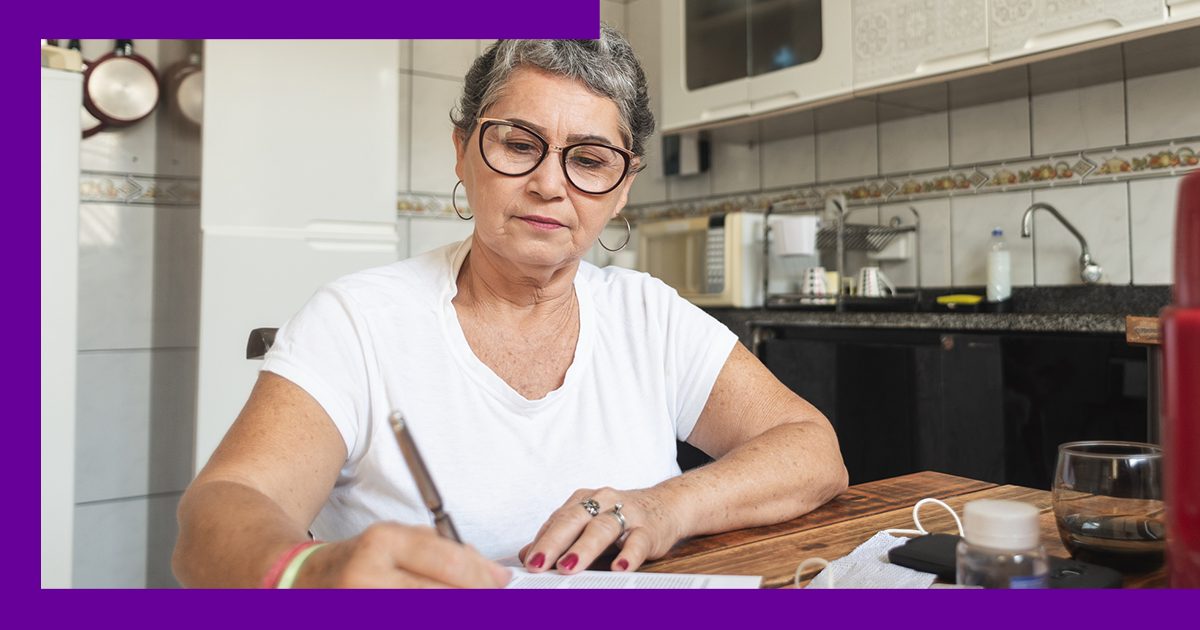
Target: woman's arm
{"points": [[264, 485], [777, 455], [777, 458]]}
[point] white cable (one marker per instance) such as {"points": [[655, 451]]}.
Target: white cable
{"points": [[920, 530], [807, 561]]}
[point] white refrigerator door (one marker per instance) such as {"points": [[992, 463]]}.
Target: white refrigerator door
{"points": [[62, 92], [301, 142], [258, 282]]}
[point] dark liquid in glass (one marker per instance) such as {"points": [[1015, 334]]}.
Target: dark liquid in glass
{"points": [[1125, 543]]}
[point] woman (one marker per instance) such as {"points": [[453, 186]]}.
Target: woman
{"points": [[542, 391]]}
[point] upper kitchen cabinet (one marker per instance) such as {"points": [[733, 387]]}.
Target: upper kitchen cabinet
{"points": [[723, 59], [1023, 27], [901, 41]]}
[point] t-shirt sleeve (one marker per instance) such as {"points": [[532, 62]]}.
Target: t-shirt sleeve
{"points": [[323, 349], [697, 346]]}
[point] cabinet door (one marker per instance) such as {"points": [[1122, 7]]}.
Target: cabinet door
{"points": [[704, 54], [1022, 27], [799, 52], [960, 407], [896, 42]]}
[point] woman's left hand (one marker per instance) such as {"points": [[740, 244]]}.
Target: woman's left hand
{"points": [[572, 538]]}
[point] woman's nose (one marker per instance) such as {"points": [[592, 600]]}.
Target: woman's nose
{"points": [[548, 180]]}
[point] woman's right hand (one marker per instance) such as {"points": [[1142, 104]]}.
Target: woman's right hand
{"points": [[391, 555]]}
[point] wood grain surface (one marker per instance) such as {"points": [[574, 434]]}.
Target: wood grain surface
{"points": [[1142, 331], [837, 528]]}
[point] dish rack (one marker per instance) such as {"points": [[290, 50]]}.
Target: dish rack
{"points": [[841, 237]]}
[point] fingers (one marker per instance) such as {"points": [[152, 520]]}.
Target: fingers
{"points": [[562, 529], [430, 560], [600, 533], [557, 533], [634, 551]]}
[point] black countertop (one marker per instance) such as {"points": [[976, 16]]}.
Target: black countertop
{"points": [[1073, 309]]}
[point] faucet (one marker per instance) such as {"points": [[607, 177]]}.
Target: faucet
{"points": [[1089, 270]]}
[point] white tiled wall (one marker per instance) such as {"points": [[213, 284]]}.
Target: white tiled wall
{"points": [[139, 269], [972, 218], [1142, 91], [126, 543], [1101, 213], [989, 117]]}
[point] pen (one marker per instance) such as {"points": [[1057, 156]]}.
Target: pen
{"points": [[429, 493]]}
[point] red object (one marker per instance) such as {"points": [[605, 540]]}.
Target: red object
{"points": [[1181, 394], [272, 578]]}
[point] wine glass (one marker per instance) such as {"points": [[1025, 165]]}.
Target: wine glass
{"points": [[1108, 505]]}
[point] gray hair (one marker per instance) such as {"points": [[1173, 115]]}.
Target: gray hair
{"points": [[607, 66]]}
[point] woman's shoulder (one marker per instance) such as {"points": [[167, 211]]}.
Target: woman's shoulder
{"points": [[626, 286], [412, 280]]}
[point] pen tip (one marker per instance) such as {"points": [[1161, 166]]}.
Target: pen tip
{"points": [[397, 421]]}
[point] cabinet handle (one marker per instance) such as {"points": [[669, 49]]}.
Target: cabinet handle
{"points": [[775, 101], [728, 111], [953, 62], [1063, 37]]}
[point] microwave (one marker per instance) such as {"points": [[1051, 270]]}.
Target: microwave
{"points": [[711, 261]]}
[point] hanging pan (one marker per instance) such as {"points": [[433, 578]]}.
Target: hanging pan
{"points": [[185, 90], [121, 87]]}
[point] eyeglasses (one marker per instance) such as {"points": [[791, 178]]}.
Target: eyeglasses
{"points": [[514, 150]]}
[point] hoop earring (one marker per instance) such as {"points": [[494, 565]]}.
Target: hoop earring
{"points": [[453, 204], [628, 232]]}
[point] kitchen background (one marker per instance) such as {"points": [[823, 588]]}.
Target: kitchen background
{"points": [[147, 417]]}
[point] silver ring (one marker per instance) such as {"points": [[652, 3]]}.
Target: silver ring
{"points": [[616, 512], [591, 506]]}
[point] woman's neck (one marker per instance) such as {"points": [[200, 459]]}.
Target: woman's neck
{"points": [[488, 282]]}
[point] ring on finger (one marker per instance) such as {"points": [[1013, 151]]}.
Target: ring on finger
{"points": [[616, 512], [592, 507]]}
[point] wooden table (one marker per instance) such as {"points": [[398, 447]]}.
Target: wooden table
{"points": [[836, 528]]}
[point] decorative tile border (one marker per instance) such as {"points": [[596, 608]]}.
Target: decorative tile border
{"points": [[414, 204], [1069, 169], [138, 189]]}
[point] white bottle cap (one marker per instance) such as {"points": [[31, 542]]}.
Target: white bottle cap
{"points": [[1005, 525]]}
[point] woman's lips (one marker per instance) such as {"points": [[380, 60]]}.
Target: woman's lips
{"points": [[541, 223]]}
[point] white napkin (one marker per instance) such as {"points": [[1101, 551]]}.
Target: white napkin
{"points": [[868, 567], [797, 235]]}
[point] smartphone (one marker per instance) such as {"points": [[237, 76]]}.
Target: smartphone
{"points": [[935, 553]]}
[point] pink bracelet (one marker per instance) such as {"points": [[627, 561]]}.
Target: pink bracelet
{"points": [[272, 578]]}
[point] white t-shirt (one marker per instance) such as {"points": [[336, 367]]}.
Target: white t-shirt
{"points": [[389, 338]]}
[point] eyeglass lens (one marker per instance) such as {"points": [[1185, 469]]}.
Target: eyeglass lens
{"points": [[512, 150]]}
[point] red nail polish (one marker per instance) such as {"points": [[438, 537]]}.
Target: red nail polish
{"points": [[568, 563], [622, 564], [537, 560]]}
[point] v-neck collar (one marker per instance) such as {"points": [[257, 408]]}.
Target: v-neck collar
{"points": [[483, 375]]}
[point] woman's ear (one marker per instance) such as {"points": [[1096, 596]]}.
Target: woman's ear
{"points": [[460, 152], [624, 198]]}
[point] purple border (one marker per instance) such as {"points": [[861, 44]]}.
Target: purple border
{"points": [[208, 609]]}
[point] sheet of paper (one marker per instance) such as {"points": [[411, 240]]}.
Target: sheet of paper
{"points": [[608, 579]]}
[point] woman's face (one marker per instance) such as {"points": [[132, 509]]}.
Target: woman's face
{"points": [[540, 219]]}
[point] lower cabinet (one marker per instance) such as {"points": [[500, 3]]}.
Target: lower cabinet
{"points": [[989, 406]]}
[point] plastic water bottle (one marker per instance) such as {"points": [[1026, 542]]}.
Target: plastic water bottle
{"points": [[1001, 546], [999, 268]]}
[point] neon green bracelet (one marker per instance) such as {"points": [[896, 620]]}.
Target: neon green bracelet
{"points": [[293, 568]]}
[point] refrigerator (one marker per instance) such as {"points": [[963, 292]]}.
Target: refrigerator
{"points": [[62, 93], [298, 187]]}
